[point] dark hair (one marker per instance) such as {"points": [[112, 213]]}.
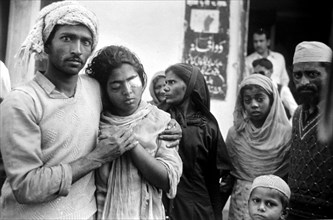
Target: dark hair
{"points": [[251, 86], [264, 62], [261, 31], [108, 59]]}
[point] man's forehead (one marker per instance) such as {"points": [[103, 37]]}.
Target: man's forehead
{"points": [[73, 29], [306, 65], [259, 36]]}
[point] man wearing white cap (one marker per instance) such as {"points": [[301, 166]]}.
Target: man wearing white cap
{"points": [[49, 126], [311, 161]]}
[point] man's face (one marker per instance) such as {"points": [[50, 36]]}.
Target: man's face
{"points": [[260, 43], [69, 49], [308, 78]]}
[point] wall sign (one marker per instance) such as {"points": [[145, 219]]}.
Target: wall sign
{"points": [[206, 43]]}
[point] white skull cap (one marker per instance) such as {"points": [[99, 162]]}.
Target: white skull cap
{"points": [[273, 182], [312, 51]]}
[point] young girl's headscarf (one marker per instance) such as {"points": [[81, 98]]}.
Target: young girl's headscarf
{"points": [[264, 150]]}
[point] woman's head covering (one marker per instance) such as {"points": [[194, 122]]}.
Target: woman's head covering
{"points": [[256, 151], [197, 90], [153, 81], [312, 51], [57, 13]]}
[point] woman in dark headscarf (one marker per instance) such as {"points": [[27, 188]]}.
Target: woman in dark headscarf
{"points": [[202, 147]]}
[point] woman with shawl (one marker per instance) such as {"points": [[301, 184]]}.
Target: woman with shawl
{"points": [[131, 186], [156, 88], [258, 143], [202, 147]]}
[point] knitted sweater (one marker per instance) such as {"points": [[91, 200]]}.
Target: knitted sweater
{"points": [[311, 171], [42, 131]]}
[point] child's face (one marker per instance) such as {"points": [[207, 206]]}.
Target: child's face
{"points": [[262, 70], [257, 105], [124, 89], [265, 204]]}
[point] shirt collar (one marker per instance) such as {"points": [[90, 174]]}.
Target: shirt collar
{"points": [[48, 87]]}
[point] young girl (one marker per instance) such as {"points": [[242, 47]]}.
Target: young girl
{"points": [[202, 147], [131, 186], [269, 198], [258, 141]]}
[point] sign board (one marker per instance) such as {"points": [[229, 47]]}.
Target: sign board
{"points": [[206, 42]]}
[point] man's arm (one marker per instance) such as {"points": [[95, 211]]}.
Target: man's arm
{"points": [[108, 149], [31, 180]]}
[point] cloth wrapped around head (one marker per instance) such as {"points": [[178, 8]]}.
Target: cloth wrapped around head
{"points": [[264, 150], [312, 51], [57, 13], [196, 90]]}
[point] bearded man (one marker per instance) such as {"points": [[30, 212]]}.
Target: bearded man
{"points": [[311, 161]]}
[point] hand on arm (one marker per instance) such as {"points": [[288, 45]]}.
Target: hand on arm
{"points": [[172, 133], [107, 149]]}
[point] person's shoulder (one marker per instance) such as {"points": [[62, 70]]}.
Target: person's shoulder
{"points": [[159, 112], [28, 87], [253, 55], [276, 54], [21, 95], [87, 80]]}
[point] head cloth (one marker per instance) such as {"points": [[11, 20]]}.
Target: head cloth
{"points": [[57, 13]]}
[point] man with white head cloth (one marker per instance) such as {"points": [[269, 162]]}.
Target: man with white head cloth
{"points": [[49, 126], [311, 161]]}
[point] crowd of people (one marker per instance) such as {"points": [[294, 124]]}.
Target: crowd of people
{"points": [[87, 146]]}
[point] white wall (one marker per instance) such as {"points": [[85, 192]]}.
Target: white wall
{"points": [[154, 31], [151, 29]]}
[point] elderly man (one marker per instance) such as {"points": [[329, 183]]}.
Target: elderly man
{"points": [[49, 126], [311, 162]]}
